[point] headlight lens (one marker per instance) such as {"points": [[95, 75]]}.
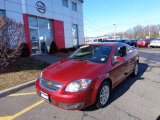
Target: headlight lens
{"points": [[78, 85], [40, 77]]}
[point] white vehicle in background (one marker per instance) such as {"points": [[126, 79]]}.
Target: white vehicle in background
{"points": [[155, 43]]}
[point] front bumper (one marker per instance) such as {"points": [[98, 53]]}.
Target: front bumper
{"points": [[66, 100]]}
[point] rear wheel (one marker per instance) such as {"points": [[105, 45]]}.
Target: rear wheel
{"points": [[103, 95]]}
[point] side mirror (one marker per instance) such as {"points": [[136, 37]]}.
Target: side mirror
{"points": [[123, 51], [118, 59]]}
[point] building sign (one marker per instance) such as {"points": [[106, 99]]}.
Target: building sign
{"points": [[40, 7]]}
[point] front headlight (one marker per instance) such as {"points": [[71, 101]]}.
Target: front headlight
{"points": [[78, 85], [41, 75]]}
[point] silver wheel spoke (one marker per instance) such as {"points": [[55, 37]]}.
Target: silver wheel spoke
{"points": [[104, 95]]}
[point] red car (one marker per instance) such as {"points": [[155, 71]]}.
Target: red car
{"points": [[88, 75], [144, 43]]}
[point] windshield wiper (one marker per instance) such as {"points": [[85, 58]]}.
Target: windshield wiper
{"points": [[80, 59], [86, 60]]}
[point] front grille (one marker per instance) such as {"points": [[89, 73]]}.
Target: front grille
{"points": [[49, 85]]}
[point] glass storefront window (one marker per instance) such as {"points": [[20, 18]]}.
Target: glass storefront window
{"points": [[34, 40], [40, 34], [34, 34], [45, 36], [33, 21], [44, 23]]}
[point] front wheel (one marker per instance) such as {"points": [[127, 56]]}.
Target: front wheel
{"points": [[136, 70], [103, 95]]}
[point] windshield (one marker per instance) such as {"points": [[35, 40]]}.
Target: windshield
{"points": [[92, 53]]}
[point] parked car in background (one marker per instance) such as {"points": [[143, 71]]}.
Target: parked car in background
{"points": [[155, 43], [144, 43], [123, 41], [133, 43], [129, 42], [88, 75]]}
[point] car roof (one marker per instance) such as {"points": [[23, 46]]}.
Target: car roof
{"points": [[106, 43]]}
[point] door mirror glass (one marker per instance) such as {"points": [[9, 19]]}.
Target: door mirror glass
{"points": [[123, 51]]}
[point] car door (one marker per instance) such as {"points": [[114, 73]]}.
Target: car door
{"points": [[131, 58], [119, 69]]}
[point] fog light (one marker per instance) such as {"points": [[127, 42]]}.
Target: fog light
{"points": [[71, 106]]}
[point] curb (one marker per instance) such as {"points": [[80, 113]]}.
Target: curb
{"points": [[16, 88]]}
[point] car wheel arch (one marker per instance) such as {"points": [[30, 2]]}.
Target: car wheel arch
{"points": [[96, 88], [109, 81]]}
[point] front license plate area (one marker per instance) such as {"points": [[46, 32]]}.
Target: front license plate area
{"points": [[44, 96]]}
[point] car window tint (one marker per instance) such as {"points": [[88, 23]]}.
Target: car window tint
{"points": [[120, 51], [93, 53], [100, 54]]}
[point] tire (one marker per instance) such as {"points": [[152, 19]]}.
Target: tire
{"points": [[136, 69], [103, 95]]}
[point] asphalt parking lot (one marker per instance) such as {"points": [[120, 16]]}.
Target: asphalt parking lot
{"points": [[134, 99]]}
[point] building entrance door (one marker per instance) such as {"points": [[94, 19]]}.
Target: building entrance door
{"points": [[75, 35], [40, 34], [34, 40]]}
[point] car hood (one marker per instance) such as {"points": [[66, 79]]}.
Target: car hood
{"points": [[66, 71]]}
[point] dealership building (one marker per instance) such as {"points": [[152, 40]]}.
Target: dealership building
{"points": [[45, 21]]}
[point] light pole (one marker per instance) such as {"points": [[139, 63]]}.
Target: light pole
{"points": [[114, 31], [149, 31]]}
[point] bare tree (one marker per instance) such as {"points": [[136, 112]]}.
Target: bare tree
{"points": [[11, 36], [141, 32], [129, 34]]}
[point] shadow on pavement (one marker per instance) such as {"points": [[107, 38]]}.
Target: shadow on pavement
{"points": [[158, 118], [150, 56], [123, 87]]}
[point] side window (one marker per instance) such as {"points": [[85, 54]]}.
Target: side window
{"points": [[74, 6], [120, 51], [129, 49], [65, 3], [2, 13]]}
